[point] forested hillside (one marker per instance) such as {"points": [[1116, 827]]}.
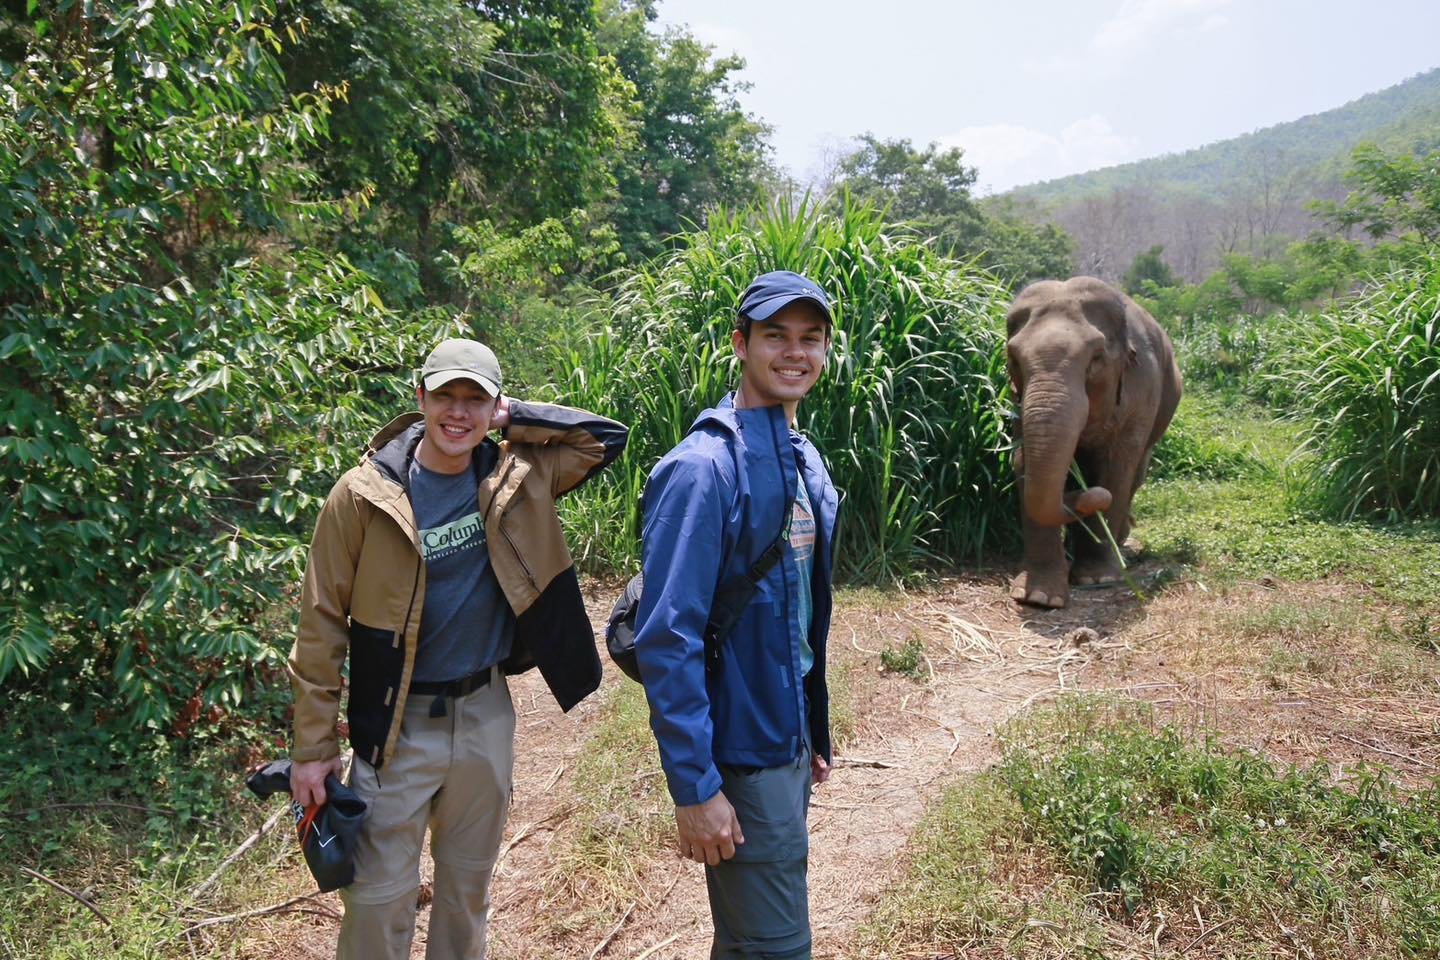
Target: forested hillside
{"points": [[1244, 195]]}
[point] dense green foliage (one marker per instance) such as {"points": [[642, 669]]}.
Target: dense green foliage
{"points": [[133, 823], [930, 191], [693, 147], [210, 208], [567, 115], [1365, 379], [160, 402], [1148, 271], [504, 111], [908, 412], [1393, 197]]}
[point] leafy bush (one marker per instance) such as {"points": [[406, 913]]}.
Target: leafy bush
{"points": [[907, 412], [170, 413], [1200, 443], [1236, 355], [1365, 379]]}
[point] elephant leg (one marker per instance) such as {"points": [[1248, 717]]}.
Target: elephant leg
{"points": [[1096, 558], [1042, 581]]}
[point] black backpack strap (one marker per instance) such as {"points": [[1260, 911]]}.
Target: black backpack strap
{"points": [[735, 594]]}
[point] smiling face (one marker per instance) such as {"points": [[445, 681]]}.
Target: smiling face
{"points": [[783, 357], [457, 417]]}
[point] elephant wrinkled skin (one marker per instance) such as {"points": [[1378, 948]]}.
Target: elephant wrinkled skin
{"points": [[1097, 383]]}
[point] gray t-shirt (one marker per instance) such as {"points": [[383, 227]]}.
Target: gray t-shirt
{"points": [[467, 623]]}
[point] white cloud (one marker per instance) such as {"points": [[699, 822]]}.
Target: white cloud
{"points": [[1138, 20], [1135, 24], [1008, 155]]}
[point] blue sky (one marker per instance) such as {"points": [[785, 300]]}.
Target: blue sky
{"points": [[1035, 89]]}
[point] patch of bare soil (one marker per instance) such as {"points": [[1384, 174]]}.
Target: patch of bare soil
{"points": [[1207, 661], [1303, 673], [984, 660]]}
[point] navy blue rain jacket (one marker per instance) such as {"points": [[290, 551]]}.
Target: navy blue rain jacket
{"points": [[712, 505]]}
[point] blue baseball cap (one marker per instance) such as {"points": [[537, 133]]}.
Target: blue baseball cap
{"points": [[771, 292]]}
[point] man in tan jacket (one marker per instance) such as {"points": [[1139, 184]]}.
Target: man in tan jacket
{"points": [[438, 567]]}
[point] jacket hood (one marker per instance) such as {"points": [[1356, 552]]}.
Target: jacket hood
{"points": [[392, 449]]}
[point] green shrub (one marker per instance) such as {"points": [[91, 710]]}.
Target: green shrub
{"points": [[907, 412], [908, 659], [172, 409], [1365, 380], [1160, 822], [1190, 449], [1235, 354]]}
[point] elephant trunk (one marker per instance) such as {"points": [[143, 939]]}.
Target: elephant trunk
{"points": [[1052, 418]]}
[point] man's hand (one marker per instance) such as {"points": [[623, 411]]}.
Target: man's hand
{"points": [[500, 418], [708, 832], [819, 769], [307, 780]]}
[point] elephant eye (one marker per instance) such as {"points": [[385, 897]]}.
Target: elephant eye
{"points": [[1097, 364]]}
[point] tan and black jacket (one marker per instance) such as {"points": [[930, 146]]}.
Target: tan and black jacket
{"points": [[365, 580]]}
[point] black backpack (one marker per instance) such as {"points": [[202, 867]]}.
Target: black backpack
{"points": [[729, 602]]}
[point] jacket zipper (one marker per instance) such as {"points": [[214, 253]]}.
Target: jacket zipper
{"points": [[414, 589], [404, 632], [519, 557]]}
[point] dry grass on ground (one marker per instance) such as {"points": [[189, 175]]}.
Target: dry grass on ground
{"points": [[1302, 674]]}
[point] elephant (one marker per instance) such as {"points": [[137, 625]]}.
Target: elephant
{"points": [[1097, 383]]}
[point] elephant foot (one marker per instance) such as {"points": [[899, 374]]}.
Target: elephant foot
{"points": [[1040, 589], [1103, 572]]}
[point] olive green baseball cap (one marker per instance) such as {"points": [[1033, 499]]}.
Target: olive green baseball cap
{"points": [[457, 359]]}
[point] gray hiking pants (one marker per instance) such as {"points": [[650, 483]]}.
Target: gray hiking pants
{"points": [[759, 899]]}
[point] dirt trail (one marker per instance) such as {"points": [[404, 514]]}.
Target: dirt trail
{"points": [[985, 660]]}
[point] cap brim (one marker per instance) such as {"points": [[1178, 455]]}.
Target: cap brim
{"points": [[438, 379], [766, 309]]}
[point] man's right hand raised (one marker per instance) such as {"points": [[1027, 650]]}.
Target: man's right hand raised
{"points": [[307, 780], [708, 832]]}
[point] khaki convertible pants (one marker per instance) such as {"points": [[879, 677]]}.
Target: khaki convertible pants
{"points": [[454, 775]]}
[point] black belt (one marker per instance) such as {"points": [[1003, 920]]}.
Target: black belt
{"points": [[452, 688]]}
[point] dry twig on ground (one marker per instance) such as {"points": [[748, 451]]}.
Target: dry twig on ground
{"points": [[67, 891]]}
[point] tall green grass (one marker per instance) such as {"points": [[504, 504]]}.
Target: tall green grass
{"points": [[1230, 354], [908, 413], [1365, 377]]}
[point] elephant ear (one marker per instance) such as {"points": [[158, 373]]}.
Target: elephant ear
{"points": [[1108, 310], [1112, 313]]}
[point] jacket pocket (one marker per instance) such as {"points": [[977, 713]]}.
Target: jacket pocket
{"points": [[753, 707], [377, 659]]}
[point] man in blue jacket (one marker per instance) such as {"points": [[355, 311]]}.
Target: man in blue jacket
{"points": [[743, 738]]}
